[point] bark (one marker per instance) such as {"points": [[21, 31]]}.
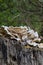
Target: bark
{"points": [[18, 55]]}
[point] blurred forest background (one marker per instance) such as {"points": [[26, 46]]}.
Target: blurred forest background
{"points": [[22, 12]]}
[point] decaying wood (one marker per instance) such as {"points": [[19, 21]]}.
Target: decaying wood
{"points": [[20, 46]]}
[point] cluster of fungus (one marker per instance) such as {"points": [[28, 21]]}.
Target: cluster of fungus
{"points": [[25, 35]]}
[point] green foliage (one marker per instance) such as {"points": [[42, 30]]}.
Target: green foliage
{"points": [[21, 12]]}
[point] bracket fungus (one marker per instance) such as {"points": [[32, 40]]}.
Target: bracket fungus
{"points": [[21, 34]]}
